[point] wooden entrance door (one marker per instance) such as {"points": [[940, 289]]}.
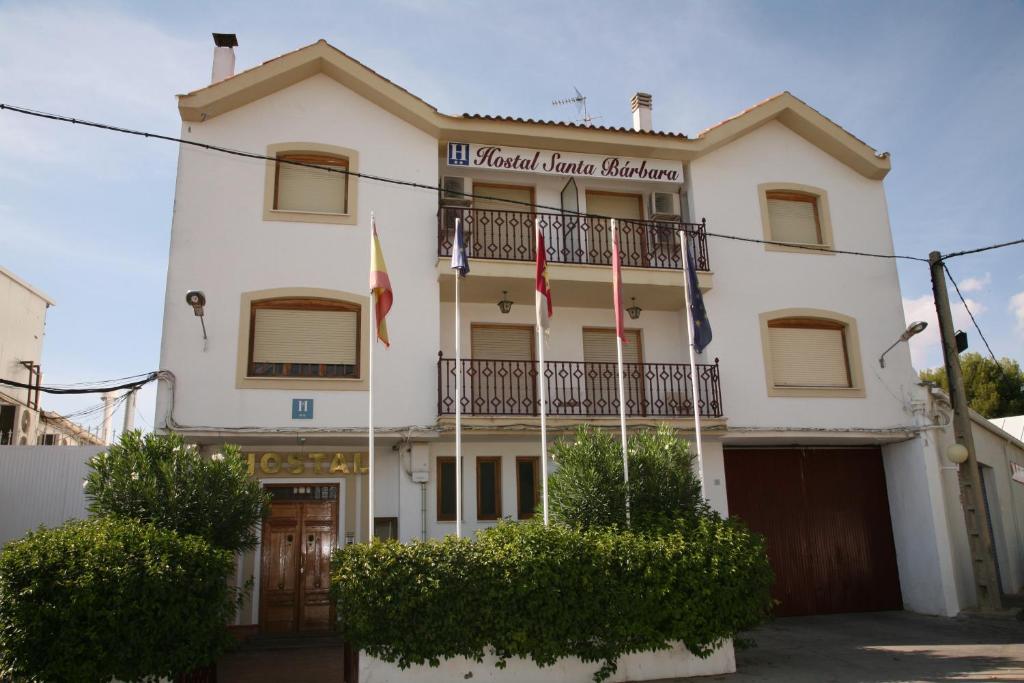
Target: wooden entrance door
{"points": [[298, 538], [824, 513]]}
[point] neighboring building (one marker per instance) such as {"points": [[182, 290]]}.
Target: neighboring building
{"points": [[1011, 425], [22, 324], [806, 436]]}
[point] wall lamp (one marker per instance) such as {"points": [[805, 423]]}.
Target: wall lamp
{"points": [[634, 310], [504, 305], [197, 300], [912, 329]]}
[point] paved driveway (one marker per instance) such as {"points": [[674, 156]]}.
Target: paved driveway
{"points": [[882, 647]]}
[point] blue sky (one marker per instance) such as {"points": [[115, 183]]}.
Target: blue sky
{"points": [[85, 215]]}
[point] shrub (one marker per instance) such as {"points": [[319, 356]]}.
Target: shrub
{"points": [[588, 488], [109, 598], [551, 592], [162, 480]]}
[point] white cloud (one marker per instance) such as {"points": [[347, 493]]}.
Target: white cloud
{"points": [[925, 349], [976, 284], [1017, 307]]}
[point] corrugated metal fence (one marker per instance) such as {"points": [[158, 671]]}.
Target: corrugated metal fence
{"points": [[41, 485]]}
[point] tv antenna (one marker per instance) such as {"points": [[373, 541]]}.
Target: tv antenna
{"points": [[580, 100]]}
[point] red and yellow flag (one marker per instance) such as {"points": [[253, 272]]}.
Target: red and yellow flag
{"points": [[380, 285]]}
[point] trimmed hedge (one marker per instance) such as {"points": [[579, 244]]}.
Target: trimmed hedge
{"points": [[105, 598], [522, 589]]}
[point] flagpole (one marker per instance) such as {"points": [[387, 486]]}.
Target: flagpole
{"points": [[618, 349], [684, 246], [458, 412], [542, 393], [369, 367]]}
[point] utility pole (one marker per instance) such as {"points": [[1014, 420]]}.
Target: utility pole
{"points": [[971, 498]]}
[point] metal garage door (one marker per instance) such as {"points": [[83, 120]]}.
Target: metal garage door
{"points": [[825, 516]]}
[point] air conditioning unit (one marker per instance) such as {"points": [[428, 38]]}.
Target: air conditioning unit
{"points": [[455, 191], [664, 206], [25, 427]]}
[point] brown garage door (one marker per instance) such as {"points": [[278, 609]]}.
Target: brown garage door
{"points": [[825, 516]]}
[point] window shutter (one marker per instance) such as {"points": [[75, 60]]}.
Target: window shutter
{"points": [[295, 336], [300, 188], [793, 220], [599, 347], [808, 357], [502, 343]]}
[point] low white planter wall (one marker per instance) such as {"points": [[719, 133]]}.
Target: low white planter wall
{"points": [[677, 662]]}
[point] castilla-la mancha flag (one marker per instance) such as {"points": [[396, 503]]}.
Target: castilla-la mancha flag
{"points": [[544, 307], [380, 287], [620, 330]]}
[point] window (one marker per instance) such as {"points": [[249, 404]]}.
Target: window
{"points": [[795, 214], [446, 489], [314, 190], [811, 355], [602, 379], [385, 528], [527, 485], [488, 488], [299, 193], [304, 338]]}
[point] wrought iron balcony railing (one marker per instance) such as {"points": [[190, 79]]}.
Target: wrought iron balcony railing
{"points": [[509, 236], [578, 389]]}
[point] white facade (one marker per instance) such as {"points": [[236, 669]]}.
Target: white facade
{"points": [[229, 241], [22, 323]]}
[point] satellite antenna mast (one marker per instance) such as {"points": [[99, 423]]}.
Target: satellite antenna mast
{"points": [[580, 100]]}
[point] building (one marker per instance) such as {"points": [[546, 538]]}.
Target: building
{"points": [[806, 436]]}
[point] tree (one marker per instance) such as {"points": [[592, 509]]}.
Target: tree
{"points": [[161, 480], [994, 389], [588, 489]]}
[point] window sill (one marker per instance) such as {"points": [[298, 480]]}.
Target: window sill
{"points": [[817, 249], [817, 392], [305, 383], [309, 217]]}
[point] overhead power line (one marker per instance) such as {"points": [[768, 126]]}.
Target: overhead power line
{"points": [[946, 257], [404, 183], [969, 313], [81, 390]]}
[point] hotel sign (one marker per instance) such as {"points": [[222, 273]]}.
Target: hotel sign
{"points": [[549, 162], [305, 464]]}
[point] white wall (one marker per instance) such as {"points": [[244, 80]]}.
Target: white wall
{"points": [[41, 485], [221, 245], [749, 280]]}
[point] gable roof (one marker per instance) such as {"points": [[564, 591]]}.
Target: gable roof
{"points": [[321, 57]]}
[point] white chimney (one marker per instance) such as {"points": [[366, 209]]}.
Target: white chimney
{"points": [[223, 56], [642, 111]]}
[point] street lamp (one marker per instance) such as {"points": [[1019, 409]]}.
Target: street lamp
{"points": [[504, 305], [912, 329]]}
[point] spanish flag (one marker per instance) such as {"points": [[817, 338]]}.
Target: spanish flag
{"points": [[380, 285]]}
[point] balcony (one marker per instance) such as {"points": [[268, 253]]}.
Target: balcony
{"points": [[577, 240], [578, 389]]}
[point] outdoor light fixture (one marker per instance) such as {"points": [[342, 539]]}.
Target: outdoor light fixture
{"points": [[197, 300], [912, 329], [957, 453], [505, 305], [634, 310]]}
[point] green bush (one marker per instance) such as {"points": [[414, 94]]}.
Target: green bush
{"points": [[162, 480], [588, 489], [109, 598], [551, 592]]}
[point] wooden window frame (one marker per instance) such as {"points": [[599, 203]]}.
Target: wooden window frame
{"points": [[444, 460], [811, 318], [798, 192], [496, 461], [535, 461], [304, 304], [317, 160], [310, 150]]}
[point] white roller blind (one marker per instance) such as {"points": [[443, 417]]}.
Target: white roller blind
{"points": [[807, 357], [793, 221], [599, 347], [321, 337], [300, 188], [502, 343]]}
